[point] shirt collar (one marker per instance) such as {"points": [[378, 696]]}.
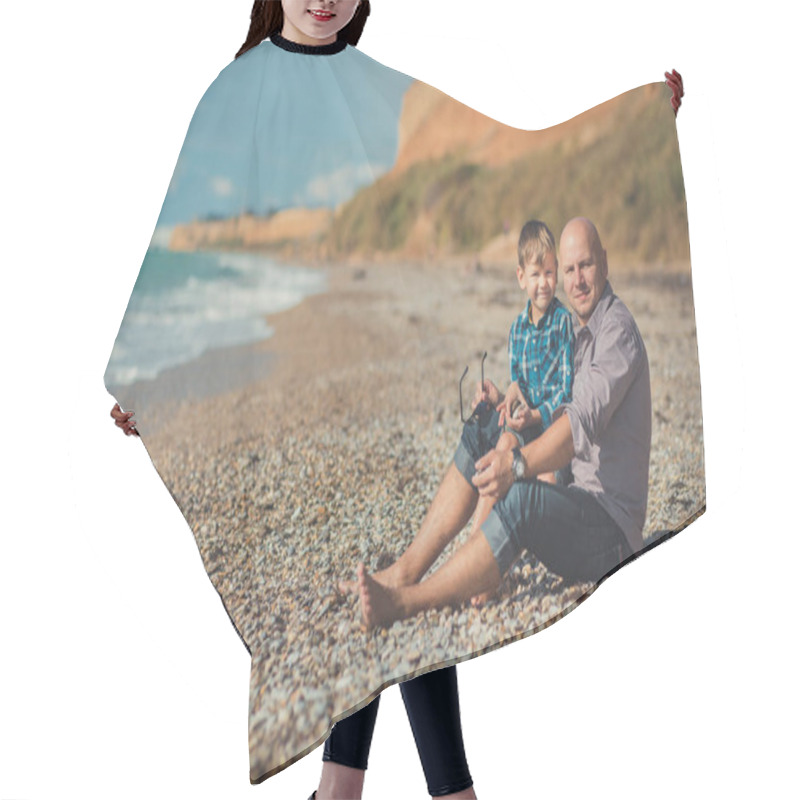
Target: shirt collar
{"points": [[545, 316], [593, 325]]}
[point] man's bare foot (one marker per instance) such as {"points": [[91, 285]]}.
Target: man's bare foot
{"points": [[379, 603], [392, 577]]}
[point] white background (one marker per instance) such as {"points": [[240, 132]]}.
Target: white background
{"points": [[121, 676]]}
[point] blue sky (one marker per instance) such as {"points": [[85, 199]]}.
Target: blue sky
{"points": [[278, 129]]}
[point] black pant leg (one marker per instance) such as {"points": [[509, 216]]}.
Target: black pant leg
{"points": [[351, 738], [433, 710]]}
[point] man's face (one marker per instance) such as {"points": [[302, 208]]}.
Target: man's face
{"points": [[585, 271], [538, 281]]}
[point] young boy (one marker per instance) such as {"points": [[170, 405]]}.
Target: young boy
{"points": [[540, 358]]}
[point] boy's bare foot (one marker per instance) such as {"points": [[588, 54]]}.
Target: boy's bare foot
{"points": [[480, 599], [392, 577], [379, 603]]}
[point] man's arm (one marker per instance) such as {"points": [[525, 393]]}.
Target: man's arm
{"points": [[551, 451], [603, 384]]}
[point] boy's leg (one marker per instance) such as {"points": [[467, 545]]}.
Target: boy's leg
{"points": [[455, 502], [508, 441]]}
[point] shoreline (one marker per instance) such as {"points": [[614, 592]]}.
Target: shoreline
{"points": [[220, 371], [497, 256]]}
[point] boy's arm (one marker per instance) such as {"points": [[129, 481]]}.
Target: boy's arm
{"points": [[526, 416], [514, 368], [563, 376]]}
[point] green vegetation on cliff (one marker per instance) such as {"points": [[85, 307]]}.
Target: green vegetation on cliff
{"points": [[622, 171]]}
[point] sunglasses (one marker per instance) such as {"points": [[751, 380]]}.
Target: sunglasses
{"points": [[481, 411]]}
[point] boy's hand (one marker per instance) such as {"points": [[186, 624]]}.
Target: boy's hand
{"points": [[489, 393], [513, 399], [523, 417]]}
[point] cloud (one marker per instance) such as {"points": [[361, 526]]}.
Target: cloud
{"points": [[161, 236], [222, 187], [341, 184]]}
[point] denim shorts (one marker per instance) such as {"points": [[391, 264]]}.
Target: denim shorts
{"points": [[565, 527], [482, 434]]}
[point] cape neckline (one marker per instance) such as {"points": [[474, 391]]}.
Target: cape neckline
{"points": [[308, 49]]}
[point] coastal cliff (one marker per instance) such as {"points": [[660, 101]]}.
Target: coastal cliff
{"points": [[252, 232], [463, 185]]}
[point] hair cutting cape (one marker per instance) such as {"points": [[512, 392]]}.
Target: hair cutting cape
{"points": [[337, 243]]}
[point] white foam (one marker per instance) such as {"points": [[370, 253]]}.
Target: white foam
{"points": [[174, 326]]}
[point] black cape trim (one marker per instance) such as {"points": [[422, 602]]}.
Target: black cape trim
{"points": [[308, 49]]}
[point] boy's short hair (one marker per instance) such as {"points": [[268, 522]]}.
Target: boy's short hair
{"points": [[535, 241]]}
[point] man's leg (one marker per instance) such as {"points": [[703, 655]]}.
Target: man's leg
{"points": [[566, 528], [450, 511], [472, 569]]}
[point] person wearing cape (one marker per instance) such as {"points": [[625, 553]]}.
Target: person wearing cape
{"points": [[302, 272]]}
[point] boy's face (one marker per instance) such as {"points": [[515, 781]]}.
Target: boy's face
{"points": [[539, 281]]}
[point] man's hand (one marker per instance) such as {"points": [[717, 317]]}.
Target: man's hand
{"points": [[495, 474], [489, 393]]}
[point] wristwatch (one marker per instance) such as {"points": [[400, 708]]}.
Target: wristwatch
{"points": [[519, 465]]}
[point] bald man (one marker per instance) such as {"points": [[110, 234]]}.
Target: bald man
{"points": [[581, 531]]}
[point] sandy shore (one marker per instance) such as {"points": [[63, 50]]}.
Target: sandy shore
{"points": [[333, 453]]}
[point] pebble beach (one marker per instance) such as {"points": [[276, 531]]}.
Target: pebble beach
{"points": [[330, 448]]}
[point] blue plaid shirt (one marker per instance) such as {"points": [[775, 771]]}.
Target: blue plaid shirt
{"points": [[541, 358]]}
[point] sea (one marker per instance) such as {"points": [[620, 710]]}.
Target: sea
{"points": [[184, 304]]}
